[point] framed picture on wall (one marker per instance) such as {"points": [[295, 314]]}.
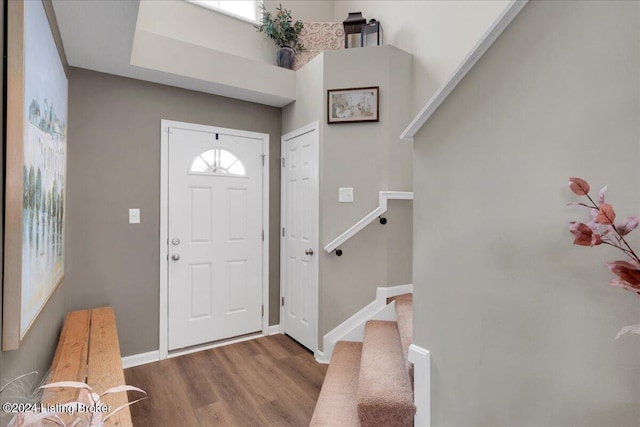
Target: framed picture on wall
{"points": [[352, 105], [36, 138]]}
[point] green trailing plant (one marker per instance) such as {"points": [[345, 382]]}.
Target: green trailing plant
{"points": [[280, 28]]}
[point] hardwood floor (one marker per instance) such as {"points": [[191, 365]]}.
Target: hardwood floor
{"points": [[269, 381]]}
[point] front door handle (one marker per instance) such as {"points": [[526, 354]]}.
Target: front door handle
{"points": [[175, 257], [309, 252]]}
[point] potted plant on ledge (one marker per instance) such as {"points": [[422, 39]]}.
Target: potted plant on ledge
{"points": [[280, 29]]}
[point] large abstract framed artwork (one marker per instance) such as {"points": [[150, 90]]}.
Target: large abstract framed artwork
{"points": [[34, 251]]}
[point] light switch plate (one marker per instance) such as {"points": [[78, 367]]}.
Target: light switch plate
{"points": [[345, 194], [134, 216]]}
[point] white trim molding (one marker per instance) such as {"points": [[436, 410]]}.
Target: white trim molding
{"points": [[165, 126], [154, 356], [352, 329], [314, 289], [500, 24], [274, 330], [140, 359], [217, 9], [382, 208], [421, 360], [222, 343], [382, 293]]}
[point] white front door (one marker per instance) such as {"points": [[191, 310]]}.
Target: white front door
{"points": [[215, 258], [300, 248]]}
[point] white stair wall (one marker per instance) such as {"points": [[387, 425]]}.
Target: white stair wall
{"points": [[352, 329], [388, 312]]}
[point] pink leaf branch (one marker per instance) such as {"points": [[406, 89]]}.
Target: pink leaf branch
{"points": [[604, 215], [628, 225], [602, 230], [601, 194], [579, 186]]}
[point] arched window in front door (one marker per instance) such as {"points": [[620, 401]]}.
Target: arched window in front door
{"points": [[217, 161]]}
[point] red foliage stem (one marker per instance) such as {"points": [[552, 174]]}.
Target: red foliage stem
{"points": [[628, 251]]}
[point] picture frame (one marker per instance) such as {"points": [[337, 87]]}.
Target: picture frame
{"points": [[35, 183], [352, 105]]}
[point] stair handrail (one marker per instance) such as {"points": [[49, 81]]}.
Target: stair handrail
{"points": [[382, 208]]}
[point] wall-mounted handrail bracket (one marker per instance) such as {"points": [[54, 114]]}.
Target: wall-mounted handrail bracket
{"points": [[382, 220], [372, 216], [339, 252]]}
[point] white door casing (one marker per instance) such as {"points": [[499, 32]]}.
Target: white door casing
{"points": [[300, 234], [214, 262]]}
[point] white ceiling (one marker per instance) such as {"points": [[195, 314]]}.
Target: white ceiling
{"points": [[99, 36]]}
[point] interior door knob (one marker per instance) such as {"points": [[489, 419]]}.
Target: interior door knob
{"points": [[175, 257], [308, 252]]}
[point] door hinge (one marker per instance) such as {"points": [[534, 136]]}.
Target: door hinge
{"points": [[282, 161], [263, 235], [263, 310], [263, 156], [283, 301], [217, 136], [283, 232]]}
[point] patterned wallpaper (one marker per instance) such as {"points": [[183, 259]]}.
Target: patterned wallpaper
{"points": [[317, 37]]}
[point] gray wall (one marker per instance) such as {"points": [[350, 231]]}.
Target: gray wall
{"points": [[316, 10], [439, 34], [519, 321], [307, 107], [114, 165], [368, 157]]}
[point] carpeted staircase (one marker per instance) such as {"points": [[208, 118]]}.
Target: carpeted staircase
{"points": [[369, 384]]}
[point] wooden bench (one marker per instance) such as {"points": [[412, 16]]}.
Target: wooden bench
{"points": [[88, 351]]}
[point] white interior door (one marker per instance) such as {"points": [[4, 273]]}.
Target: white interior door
{"points": [[215, 239], [300, 248]]}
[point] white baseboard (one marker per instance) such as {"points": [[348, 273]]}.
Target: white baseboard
{"points": [[216, 344], [393, 291], [154, 356], [320, 357], [274, 329], [352, 329], [421, 360], [387, 312], [140, 359]]}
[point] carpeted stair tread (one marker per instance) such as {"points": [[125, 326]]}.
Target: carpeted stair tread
{"points": [[404, 314], [336, 406], [384, 396]]}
